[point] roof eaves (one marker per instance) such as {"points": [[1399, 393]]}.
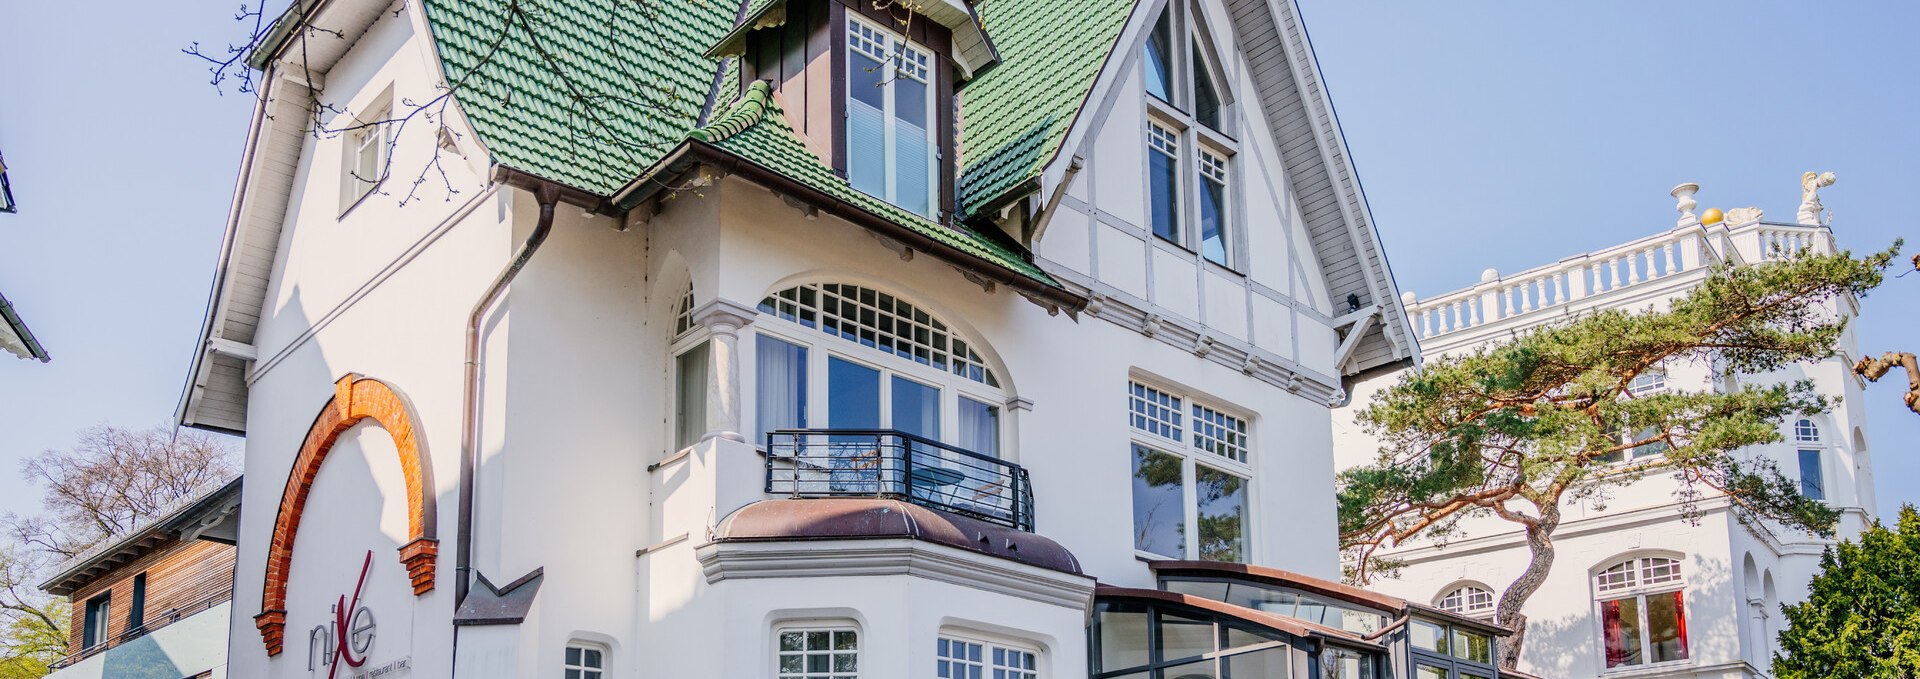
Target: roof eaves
{"points": [[18, 327], [164, 523]]}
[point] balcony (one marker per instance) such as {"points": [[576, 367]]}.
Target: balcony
{"points": [[884, 463]]}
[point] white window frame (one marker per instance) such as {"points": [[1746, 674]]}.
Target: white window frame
{"points": [[680, 343], [822, 347], [1192, 456], [901, 53], [1639, 587], [987, 663], [606, 659], [375, 137], [828, 626], [1805, 430], [1202, 139], [1464, 593]]}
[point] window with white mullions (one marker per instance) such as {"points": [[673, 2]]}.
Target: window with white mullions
{"points": [[1468, 599], [585, 661], [818, 653], [1213, 207], [1189, 137], [891, 150], [367, 140], [956, 658], [1180, 482], [1642, 611], [1163, 179]]}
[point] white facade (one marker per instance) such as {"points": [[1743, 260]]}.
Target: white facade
{"points": [[1734, 576], [579, 479]]}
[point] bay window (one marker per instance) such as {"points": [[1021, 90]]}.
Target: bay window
{"points": [[890, 147], [1190, 468], [1642, 611], [1189, 147]]}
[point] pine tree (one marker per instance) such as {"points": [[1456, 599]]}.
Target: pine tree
{"points": [[1861, 619], [1518, 429]]}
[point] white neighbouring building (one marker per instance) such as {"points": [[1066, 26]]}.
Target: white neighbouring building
{"points": [[1637, 589], [799, 339]]}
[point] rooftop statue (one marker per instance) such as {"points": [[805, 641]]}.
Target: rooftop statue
{"points": [[1810, 185]]}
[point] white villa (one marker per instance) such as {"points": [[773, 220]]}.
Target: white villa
{"points": [[800, 339], [1637, 589]]}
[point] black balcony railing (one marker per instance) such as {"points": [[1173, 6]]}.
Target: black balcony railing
{"points": [[895, 464], [153, 622]]}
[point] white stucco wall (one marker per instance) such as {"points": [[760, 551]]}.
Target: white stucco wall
{"points": [[576, 396]]}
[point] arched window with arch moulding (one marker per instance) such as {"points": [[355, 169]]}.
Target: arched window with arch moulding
{"points": [[1642, 605], [851, 357], [1467, 598]]}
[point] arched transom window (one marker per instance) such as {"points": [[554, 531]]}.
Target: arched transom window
{"points": [[1643, 615], [1806, 431], [846, 357], [880, 321], [1468, 599]]}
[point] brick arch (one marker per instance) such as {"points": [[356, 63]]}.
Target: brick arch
{"points": [[355, 398]]}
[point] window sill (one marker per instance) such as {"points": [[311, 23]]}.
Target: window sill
{"points": [[1222, 269], [1652, 669], [362, 199]]}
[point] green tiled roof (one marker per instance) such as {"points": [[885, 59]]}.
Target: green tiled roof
{"points": [[645, 81], [1016, 115], [756, 129], [640, 73]]}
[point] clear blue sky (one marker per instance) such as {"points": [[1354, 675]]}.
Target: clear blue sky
{"points": [[1487, 134]]}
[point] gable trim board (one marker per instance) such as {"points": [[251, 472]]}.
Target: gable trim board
{"points": [[1313, 156], [1312, 153]]}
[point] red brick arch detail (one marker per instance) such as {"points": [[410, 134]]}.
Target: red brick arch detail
{"points": [[355, 398]]}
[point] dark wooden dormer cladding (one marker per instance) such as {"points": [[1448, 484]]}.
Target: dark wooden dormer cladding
{"points": [[805, 59]]}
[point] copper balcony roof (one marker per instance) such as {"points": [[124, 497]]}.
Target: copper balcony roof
{"points": [[878, 518]]}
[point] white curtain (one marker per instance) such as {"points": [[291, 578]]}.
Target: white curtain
{"points": [[780, 389]]}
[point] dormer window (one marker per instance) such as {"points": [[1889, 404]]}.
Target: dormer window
{"points": [[890, 147]]}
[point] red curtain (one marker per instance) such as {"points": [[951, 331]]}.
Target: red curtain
{"points": [[1680, 619], [1610, 619]]}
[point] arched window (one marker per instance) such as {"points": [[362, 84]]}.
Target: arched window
{"points": [[1651, 381], [1190, 137], [690, 359], [1468, 599], [1642, 611], [683, 312], [839, 356], [1806, 431]]}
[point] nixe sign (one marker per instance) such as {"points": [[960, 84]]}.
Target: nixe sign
{"points": [[348, 639]]}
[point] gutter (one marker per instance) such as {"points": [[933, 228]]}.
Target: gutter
{"points": [[19, 327], [693, 152]]}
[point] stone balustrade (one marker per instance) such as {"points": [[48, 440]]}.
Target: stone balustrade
{"points": [[1552, 287]]}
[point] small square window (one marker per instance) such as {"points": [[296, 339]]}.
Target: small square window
{"points": [[585, 661], [818, 653]]}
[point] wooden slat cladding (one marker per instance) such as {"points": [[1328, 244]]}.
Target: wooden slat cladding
{"points": [[805, 59], [797, 58], [1316, 167], [185, 576]]}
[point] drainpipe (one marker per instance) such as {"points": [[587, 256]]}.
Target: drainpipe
{"points": [[548, 194]]}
